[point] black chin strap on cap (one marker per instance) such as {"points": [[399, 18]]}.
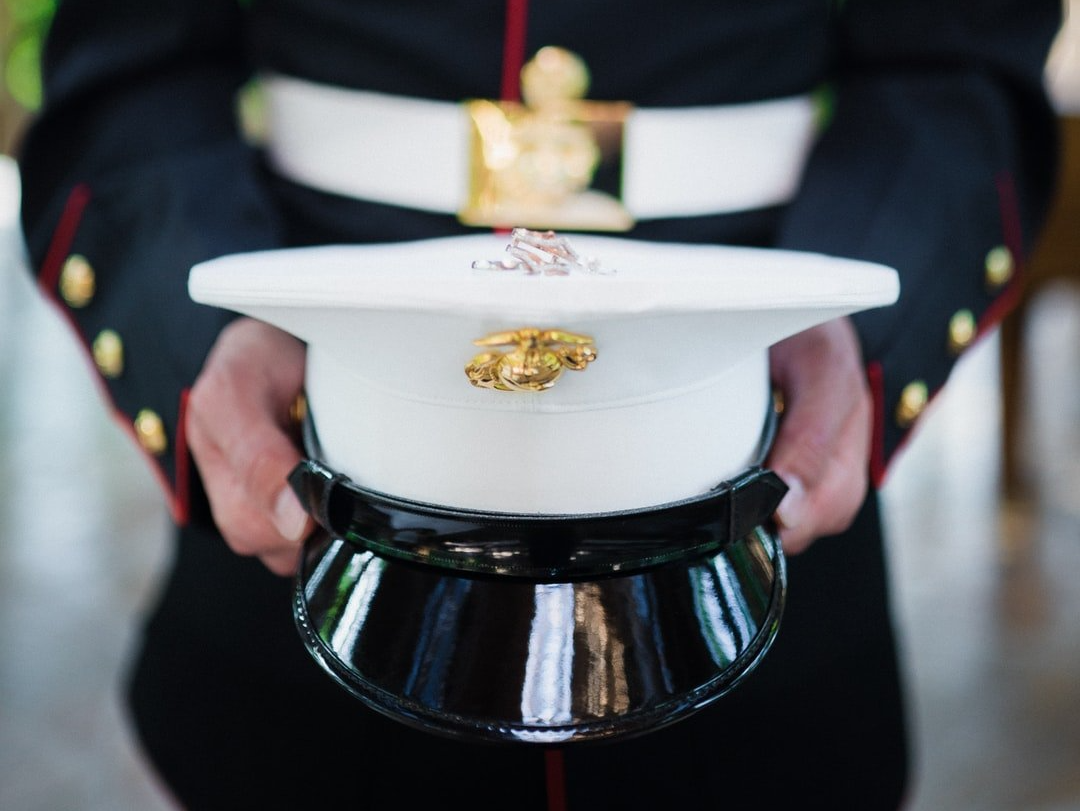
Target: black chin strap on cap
{"points": [[539, 548]]}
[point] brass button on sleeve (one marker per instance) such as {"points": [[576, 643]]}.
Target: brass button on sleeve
{"points": [[77, 281], [150, 431], [913, 400], [962, 331], [108, 351], [999, 267]]}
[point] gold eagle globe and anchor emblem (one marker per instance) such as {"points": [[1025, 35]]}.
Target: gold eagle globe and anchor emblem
{"points": [[535, 361]]}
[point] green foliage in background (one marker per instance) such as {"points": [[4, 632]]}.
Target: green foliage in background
{"points": [[20, 48]]}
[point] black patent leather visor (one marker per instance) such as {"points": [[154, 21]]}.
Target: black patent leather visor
{"points": [[523, 628]]}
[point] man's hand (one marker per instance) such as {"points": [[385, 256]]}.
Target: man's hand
{"points": [[822, 450], [238, 430]]}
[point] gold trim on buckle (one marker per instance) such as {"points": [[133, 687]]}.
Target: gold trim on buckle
{"points": [[532, 164]]}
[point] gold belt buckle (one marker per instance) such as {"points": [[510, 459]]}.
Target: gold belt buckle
{"points": [[534, 164]]}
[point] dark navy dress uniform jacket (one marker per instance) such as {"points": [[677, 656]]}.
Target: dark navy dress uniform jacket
{"points": [[937, 160]]}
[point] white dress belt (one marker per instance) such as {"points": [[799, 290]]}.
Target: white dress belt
{"points": [[676, 162]]}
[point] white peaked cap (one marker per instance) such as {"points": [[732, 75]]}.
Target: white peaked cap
{"points": [[673, 403]]}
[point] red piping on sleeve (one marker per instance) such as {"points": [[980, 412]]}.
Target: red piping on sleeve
{"points": [[1010, 214], [182, 492], [63, 236], [1012, 232], [1002, 306], [48, 278], [878, 467]]}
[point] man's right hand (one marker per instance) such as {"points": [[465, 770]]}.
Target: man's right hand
{"points": [[239, 432]]}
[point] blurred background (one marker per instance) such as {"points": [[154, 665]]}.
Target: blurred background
{"points": [[982, 515]]}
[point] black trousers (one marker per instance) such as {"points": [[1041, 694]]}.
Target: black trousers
{"points": [[234, 714]]}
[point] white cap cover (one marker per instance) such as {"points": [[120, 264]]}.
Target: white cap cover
{"points": [[673, 403]]}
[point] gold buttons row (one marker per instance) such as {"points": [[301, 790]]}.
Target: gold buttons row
{"points": [[78, 284], [999, 267], [913, 399]]}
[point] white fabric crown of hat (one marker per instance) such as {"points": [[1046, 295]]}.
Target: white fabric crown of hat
{"points": [[664, 348]]}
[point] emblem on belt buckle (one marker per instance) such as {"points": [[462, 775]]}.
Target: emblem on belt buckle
{"points": [[535, 164]]}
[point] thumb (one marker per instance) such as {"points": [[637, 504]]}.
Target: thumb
{"points": [[290, 519], [792, 510]]}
